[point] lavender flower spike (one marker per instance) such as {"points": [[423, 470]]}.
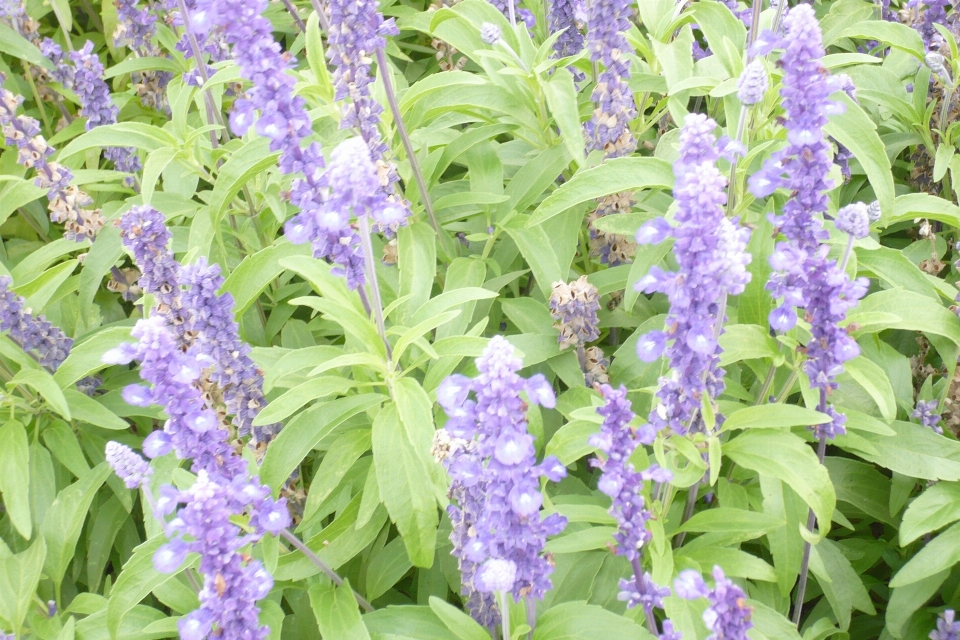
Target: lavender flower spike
{"points": [[574, 306], [35, 334], [728, 615], [357, 33], [66, 202], [129, 467], [508, 526], [804, 277], [567, 16], [753, 83], [619, 480], [711, 255], [609, 128], [97, 105]]}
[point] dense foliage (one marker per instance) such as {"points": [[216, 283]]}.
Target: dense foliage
{"points": [[479, 319]]}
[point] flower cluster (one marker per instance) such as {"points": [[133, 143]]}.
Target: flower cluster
{"points": [[233, 581], [619, 480], [728, 615], [928, 415], [129, 467], [574, 306], [466, 503], [609, 128], [35, 334], [187, 297], [136, 28], [947, 627], [504, 473], [711, 259], [525, 15], [66, 202], [223, 489], [567, 16], [357, 32], [13, 13], [210, 322], [753, 83], [804, 277]]}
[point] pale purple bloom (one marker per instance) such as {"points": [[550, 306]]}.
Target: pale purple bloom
{"points": [[753, 83], [129, 467], [97, 106], [574, 306], [233, 581], [46, 343], [854, 219], [66, 202], [357, 32], [564, 17], [145, 234], [947, 627], [728, 615], [712, 258], [490, 33], [803, 276], [614, 109], [210, 320], [928, 415], [503, 473]]}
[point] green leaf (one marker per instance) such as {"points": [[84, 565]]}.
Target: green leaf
{"points": [[561, 97], [254, 274], [583, 540], [915, 451], [404, 480], [727, 519], [133, 64], [459, 623], [64, 522], [747, 342], [135, 582], [771, 623], [15, 476], [904, 309], [18, 192], [910, 206], [898, 36], [292, 400], [856, 130], [39, 290], [840, 582], [338, 460], [581, 621], [784, 455], [417, 259], [770, 416], [19, 577], [939, 554], [248, 161], [905, 601], [613, 176], [87, 409], [46, 386], [386, 567], [875, 381], [123, 134], [302, 434], [16, 45], [86, 357], [933, 509], [735, 563], [336, 612]]}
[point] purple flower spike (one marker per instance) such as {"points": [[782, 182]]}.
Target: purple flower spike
{"points": [[35, 334], [803, 276], [495, 493], [566, 16], [129, 467], [712, 258], [609, 128]]}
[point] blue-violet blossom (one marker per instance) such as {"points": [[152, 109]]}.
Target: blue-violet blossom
{"points": [[711, 258], [728, 615], [508, 527]]}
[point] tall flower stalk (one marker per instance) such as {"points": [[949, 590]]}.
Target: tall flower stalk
{"points": [[803, 275], [66, 202], [503, 548]]}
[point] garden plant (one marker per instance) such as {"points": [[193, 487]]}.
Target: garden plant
{"points": [[479, 320]]}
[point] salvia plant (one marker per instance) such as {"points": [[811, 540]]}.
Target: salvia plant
{"points": [[479, 319]]}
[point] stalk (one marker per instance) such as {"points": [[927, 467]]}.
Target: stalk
{"points": [[376, 303], [330, 573], [504, 614]]}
